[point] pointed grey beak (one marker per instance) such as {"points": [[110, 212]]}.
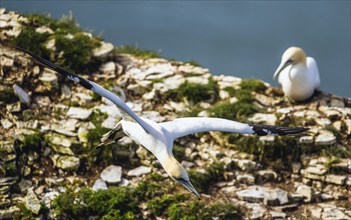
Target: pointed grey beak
{"points": [[280, 68], [190, 187]]}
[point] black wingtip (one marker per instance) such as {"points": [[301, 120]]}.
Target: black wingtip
{"points": [[262, 130], [85, 83], [38, 58]]}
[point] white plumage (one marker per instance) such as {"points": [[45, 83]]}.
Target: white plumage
{"points": [[158, 138], [298, 74]]}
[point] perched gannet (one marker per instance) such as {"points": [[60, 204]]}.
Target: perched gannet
{"points": [[298, 74], [158, 138]]}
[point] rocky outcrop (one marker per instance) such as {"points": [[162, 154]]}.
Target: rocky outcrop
{"points": [[50, 128]]}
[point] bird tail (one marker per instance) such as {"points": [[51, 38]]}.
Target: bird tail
{"points": [[112, 136], [262, 130]]}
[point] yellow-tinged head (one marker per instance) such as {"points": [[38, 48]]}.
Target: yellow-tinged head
{"points": [[178, 173], [293, 55]]}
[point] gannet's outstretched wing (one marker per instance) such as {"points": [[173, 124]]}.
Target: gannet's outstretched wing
{"points": [[95, 88], [184, 126]]}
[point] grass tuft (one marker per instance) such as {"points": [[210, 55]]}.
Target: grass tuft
{"points": [[74, 53], [203, 181], [197, 92], [140, 53], [8, 96], [117, 202], [32, 141], [201, 210], [124, 202], [77, 52], [253, 85], [32, 41]]}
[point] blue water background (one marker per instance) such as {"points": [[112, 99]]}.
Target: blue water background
{"points": [[239, 38]]}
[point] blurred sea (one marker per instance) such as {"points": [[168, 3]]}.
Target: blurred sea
{"points": [[239, 38]]}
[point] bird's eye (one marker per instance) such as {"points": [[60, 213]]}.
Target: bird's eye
{"points": [[289, 61]]}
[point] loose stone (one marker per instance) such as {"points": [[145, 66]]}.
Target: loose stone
{"points": [[139, 171], [32, 203], [112, 174], [79, 113], [99, 184], [22, 95]]}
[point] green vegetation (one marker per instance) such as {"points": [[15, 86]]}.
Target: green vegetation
{"points": [[88, 152], [26, 214], [32, 141], [33, 41], [179, 152], [253, 85], [248, 144], [149, 188], [247, 86], [201, 210], [77, 52], [203, 181], [10, 169], [97, 118], [193, 62], [221, 211], [239, 111], [290, 120], [8, 96], [343, 127], [336, 133], [65, 25], [157, 80], [193, 111], [117, 202], [333, 151], [94, 135], [95, 97], [22, 147], [141, 53], [73, 48], [195, 92], [126, 203], [158, 206], [332, 166], [284, 148]]}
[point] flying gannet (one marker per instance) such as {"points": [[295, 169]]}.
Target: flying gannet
{"points": [[158, 138], [298, 74]]}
